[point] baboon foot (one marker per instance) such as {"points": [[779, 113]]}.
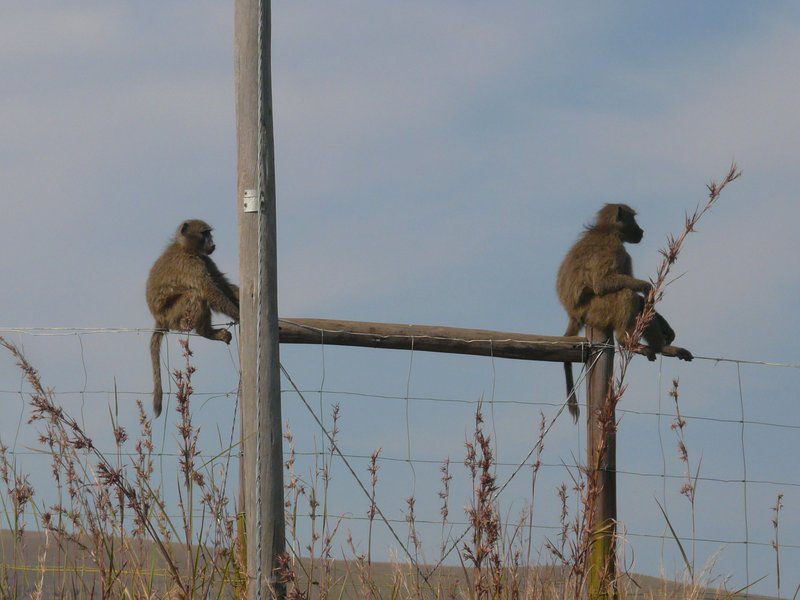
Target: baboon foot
{"points": [[677, 351]]}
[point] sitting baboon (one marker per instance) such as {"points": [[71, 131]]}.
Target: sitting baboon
{"points": [[596, 286], [183, 287]]}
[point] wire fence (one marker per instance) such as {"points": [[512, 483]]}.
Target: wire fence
{"points": [[314, 382]]}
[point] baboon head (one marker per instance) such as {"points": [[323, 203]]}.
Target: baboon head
{"points": [[195, 236], [621, 219]]}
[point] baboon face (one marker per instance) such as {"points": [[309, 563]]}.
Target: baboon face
{"points": [[195, 235], [208, 242], [630, 231]]}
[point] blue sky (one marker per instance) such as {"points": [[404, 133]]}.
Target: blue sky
{"points": [[434, 162]]}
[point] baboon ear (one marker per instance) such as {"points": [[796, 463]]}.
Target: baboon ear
{"points": [[184, 227]]}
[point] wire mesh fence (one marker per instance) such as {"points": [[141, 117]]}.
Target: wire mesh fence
{"points": [[377, 443]]}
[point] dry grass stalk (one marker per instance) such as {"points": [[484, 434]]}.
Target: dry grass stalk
{"points": [[95, 490], [95, 521], [444, 496], [776, 541], [537, 464], [689, 487], [605, 417], [483, 553], [372, 469]]}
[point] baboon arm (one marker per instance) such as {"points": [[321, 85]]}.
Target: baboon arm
{"points": [[220, 302], [204, 279], [221, 282], [617, 282], [229, 290]]}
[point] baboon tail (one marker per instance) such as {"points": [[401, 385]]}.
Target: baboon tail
{"points": [[573, 328], [572, 400], [155, 352]]}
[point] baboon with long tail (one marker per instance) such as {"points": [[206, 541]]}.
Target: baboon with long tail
{"points": [[596, 286], [183, 287]]}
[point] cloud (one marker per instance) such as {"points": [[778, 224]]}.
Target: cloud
{"points": [[434, 163], [366, 83], [34, 33], [556, 164]]}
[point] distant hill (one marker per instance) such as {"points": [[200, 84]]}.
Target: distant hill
{"points": [[69, 572]]}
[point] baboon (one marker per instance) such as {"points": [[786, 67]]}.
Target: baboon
{"points": [[597, 288], [183, 287]]}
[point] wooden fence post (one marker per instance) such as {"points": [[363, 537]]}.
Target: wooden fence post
{"points": [[601, 449], [262, 440]]}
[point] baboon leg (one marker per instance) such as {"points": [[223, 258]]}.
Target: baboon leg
{"points": [[203, 327], [666, 330], [654, 338], [678, 352], [654, 332], [659, 336], [190, 312], [186, 312], [608, 312], [669, 337], [626, 306]]}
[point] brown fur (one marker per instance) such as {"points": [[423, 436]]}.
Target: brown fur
{"points": [[183, 287], [596, 286]]}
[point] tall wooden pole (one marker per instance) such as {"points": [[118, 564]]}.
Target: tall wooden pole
{"points": [[601, 449], [262, 481]]}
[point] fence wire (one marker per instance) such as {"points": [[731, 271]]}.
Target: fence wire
{"points": [[746, 481]]}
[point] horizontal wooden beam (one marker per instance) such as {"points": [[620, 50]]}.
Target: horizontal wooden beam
{"points": [[432, 338]]}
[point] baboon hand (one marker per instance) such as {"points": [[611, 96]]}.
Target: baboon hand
{"points": [[225, 336]]}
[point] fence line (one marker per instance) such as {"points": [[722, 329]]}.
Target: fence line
{"points": [[433, 461], [88, 330], [742, 423], [233, 393], [559, 527], [335, 448], [744, 477]]}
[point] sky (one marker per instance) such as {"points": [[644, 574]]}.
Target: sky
{"points": [[434, 162]]}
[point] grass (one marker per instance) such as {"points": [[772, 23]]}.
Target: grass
{"points": [[110, 510], [85, 547], [109, 534]]}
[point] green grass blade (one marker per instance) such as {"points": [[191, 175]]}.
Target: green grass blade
{"points": [[677, 540]]}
